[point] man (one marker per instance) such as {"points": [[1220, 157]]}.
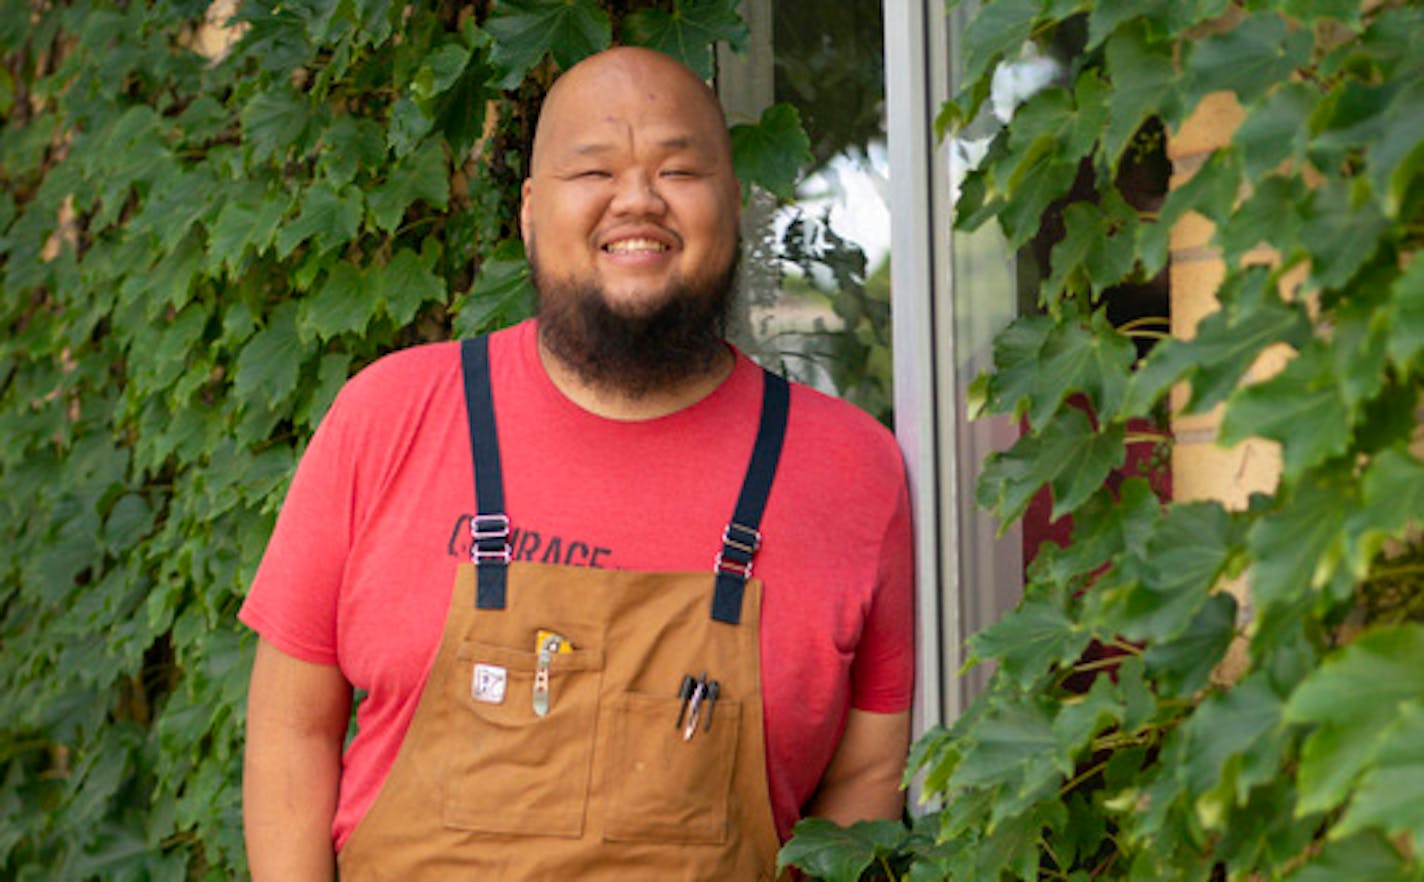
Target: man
{"points": [[603, 694]]}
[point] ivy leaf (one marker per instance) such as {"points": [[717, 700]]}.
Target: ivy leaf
{"points": [[1144, 83], [1390, 796], [174, 205], [170, 283], [1103, 527], [1092, 360], [268, 365], [409, 124], [772, 152], [402, 285], [1182, 560], [339, 306], [1246, 58], [1301, 407], [999, 28], [1097, 251], [1297, 548], [1341, 231], [1392, 501], [245, 224], [502, 292], [1406, 318], [422, 175], [1269, 215], [1361, 336], [460, 110], [1364, 858], [1079, 719], [441, 70], [525, 30], [1047, 116], [1396, 157], [273, 121], [689, 31], [331, 375], [329, 216], [1066, 454], [1106, 15], [1353, 698], [839, 854], [1233, 739], [351, 144], [1030, 640], [1029, 196], [1013, 746], [1016, 350], [1276, 129], [1183, 664], [1308, 11]]}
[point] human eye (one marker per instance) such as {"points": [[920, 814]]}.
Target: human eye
{"points": [[678, 172]]}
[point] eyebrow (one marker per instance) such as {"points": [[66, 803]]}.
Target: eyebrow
{"points": [[674, 142]]}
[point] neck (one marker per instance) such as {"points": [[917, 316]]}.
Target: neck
{"points": [[614, 404]]}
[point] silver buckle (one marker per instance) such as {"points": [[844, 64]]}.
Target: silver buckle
{"points": [[485, 527], [741, 538]]}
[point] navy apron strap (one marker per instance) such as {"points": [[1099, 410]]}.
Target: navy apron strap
{"points": [[489, 528], [741, 538]]}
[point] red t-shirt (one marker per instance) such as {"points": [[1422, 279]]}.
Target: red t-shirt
{"points": [[359, 569]]}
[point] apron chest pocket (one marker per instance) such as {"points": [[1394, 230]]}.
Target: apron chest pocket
{"points": [[662, 788], [513, 770]]}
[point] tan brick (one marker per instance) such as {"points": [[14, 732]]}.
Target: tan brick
{"points": [[1193, 285], [1270, 362], [1192, 231], [1228, 474], [1195, 427], [1211, 124], [1237, 658]]}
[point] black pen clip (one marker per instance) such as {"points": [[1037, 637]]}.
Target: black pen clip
{"points": [[713, 689]]}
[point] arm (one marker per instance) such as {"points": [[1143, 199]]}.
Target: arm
{"points": [[862, 781], [297, 714]]}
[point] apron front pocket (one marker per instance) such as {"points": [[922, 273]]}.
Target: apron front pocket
{"points": [[509, 769], [662, 788]]}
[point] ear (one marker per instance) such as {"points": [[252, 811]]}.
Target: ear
{"points": [[525, 210]]}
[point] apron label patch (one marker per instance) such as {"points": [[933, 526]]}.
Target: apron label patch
{"points": [[488, 684]]}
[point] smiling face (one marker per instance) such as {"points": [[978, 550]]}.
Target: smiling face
{"points": [[631, 190]]}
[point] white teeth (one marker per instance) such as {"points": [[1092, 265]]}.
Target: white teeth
{"points": [[626, 246]]}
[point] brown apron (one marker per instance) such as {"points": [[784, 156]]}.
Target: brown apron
{"points": [[552, 738]]}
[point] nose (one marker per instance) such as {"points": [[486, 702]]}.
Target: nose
{"points": [[637, 195]]}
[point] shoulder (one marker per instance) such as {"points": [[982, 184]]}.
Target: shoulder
{"points": [[393, 376], [832, 429]]}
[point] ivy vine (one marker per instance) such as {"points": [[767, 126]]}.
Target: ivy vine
{"points": [[1114, 741]]}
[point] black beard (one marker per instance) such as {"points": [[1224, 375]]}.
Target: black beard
{"points": [[640, 353]]}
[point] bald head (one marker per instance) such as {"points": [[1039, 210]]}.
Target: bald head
{"points": [[628, 83]]}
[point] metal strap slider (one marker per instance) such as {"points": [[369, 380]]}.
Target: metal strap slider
{"points": [[489, 534], [739, 544]]}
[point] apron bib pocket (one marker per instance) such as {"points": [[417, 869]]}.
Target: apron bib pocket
{"points": [[662, 788], [509, 769]]}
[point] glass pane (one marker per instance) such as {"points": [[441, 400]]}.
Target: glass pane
{"points": [[815, 278], [986, 294]]}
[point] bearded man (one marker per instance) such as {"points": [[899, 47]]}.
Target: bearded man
{"points": [[607, 691]]}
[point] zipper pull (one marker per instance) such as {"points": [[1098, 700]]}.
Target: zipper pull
{"points": [[547, 648]]}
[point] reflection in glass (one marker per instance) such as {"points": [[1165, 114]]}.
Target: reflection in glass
{"points": [[816, 281]]}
